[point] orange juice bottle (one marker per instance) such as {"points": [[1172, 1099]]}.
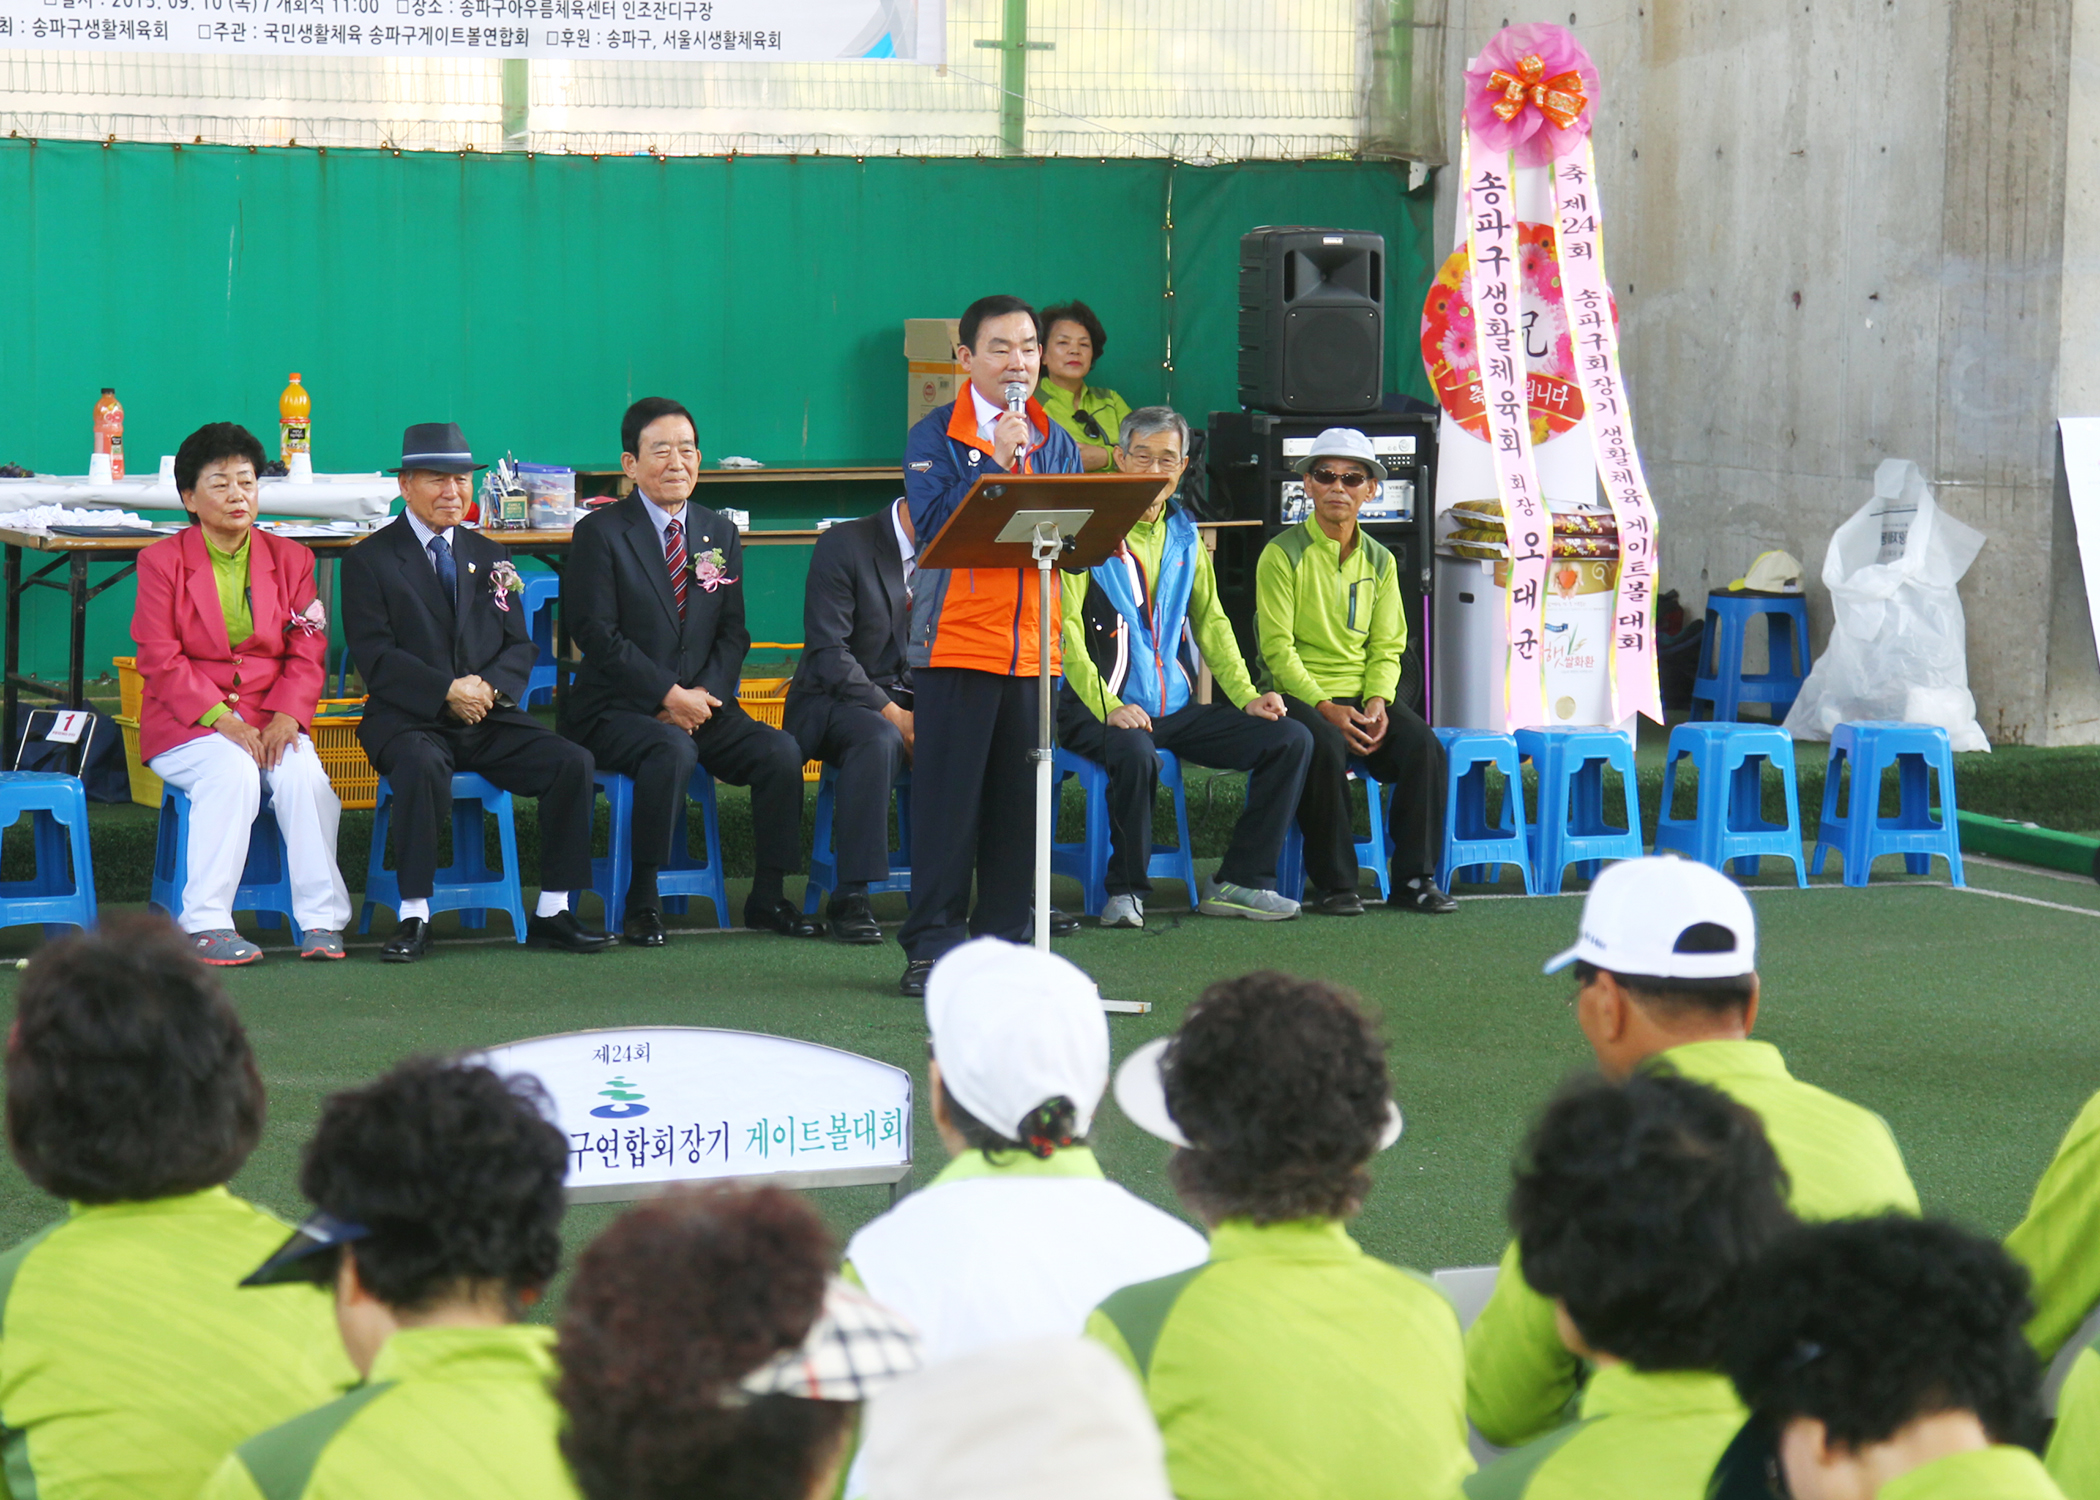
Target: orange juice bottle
{"points": [[295, 420], [109, 430]]}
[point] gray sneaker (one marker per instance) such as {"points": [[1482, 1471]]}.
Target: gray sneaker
{"points": [[1123, 911], [1221, 898], [224, 948], [322, 945]]}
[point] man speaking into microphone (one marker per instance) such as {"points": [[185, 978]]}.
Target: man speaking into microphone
{"points": [[974, 633]]}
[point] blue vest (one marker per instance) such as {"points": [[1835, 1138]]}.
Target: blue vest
{"points": [[1147, 669]]}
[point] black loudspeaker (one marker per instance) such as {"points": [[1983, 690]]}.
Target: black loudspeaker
{"points": [[1312, 320]]}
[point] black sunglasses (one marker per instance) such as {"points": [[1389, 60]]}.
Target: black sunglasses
{"points": [[1093, 428], [1353, 480]]}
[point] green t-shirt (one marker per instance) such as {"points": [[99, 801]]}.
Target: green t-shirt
{"points": [[1106, 408], [132, 1361], [1213, 632], [1330, 627], [2056, 1239], [1654, 1436], [1293, 1366], [229, 570], [2074, 1447], [1997, 1473], [447, 1413], [1840, 1160]]}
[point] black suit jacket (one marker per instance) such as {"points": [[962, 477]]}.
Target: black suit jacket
{"points": [[411, 642], [616, 596], [856, 618]]}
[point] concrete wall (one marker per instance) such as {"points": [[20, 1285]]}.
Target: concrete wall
{"points": [[1836, 232]]}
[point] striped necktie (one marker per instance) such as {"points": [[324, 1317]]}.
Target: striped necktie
{"points": [[674, 559]]}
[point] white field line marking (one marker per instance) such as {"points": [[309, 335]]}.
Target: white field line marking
{"points": [[1977, 890]]}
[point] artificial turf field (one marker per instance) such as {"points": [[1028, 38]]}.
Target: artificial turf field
{"points": [[1967, 1019]]}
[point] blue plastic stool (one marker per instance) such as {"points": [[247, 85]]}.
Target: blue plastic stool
{"points": [[1571, 827], [823, 848], [467, 885], [1372, 853], [682, 876], [1471, 843], [1861, 835], [1728, 822], [541, 590], [58, 828], [266, 880], [1722, 684], [1087, 861]]}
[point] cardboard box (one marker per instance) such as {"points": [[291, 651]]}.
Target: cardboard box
{"points": [[932, 377]]}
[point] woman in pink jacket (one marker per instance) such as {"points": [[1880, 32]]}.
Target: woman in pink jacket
{"points": [[231, 644]]}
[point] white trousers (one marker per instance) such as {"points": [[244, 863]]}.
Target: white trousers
{"points": [[224, 786]]}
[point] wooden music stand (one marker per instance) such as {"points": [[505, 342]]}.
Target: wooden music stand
{"points": [[1044, 521]]}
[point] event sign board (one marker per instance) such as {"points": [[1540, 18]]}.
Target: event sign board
{"points": [[642, 30], [648, 1107]]}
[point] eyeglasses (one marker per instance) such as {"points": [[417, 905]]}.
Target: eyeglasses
{"points": [[1162, 463], [1355, 479]]}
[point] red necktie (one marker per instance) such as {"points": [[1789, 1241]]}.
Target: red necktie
{"points": [[674, 559]]}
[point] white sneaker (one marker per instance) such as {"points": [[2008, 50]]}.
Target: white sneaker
{"points": [[1123, 911], [1221, 898]]}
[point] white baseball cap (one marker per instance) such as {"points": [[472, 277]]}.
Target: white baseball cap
{"points": [[1013, 1028], [1342, 442], [1141, 1092], [1638, 910]]}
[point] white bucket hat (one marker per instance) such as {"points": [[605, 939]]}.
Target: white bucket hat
{"points": [[1141, 1093], [1342, 442], [1013, 1028]]}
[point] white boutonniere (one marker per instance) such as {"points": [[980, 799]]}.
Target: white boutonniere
{"points": [[312, 620]]}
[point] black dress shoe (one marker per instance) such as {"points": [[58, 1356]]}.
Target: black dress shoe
{"points": [[1334, 903], [1421, 894], [914, 981], [563, 931], [1061, 925], [411, 940], [644, 928], [853, 920], [780, 916]]}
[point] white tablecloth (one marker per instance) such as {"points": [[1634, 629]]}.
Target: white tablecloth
{"points": [[328, 497]]}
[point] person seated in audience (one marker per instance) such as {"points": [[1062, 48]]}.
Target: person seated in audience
{"points": [[2073, 1455], [1027, 1421], [232, 639], [1884, 1357], [1130, 690], [130, 1362], [1290, 1366], [2056, 1239], [1020, 1236], [1333, 628], [1638, 1206], [1093, 416], [850, 701], [439, 1197], [1666, 980], [708, 1352]]}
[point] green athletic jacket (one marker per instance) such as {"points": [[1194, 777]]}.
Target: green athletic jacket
{"points": [[1841, 1160], [1642, 1436], [132, 1361], [2056, 1240], [1293, 1366], [457, 1413], [1329, 628], [1999, 1473]]}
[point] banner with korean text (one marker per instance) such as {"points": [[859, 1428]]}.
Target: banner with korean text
{"points": [[649, 1107], [645, 30]]}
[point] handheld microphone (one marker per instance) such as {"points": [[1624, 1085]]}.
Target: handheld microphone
{"points": [[1016, 397]]}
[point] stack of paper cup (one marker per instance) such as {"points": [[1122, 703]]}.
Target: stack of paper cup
{"points": [[300, 467], [98, 468]]}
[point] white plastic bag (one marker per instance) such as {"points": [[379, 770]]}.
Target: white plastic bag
{"points": [[1897, 649]]}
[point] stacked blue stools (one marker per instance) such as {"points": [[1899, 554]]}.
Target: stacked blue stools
{"points": [[823, 848], [1087, 861], [1860, 834], [541, 590], [467, 885], [1474, 847], [266, 880], [1722, 685], [1571, 827], [682, 876], [58, 829], [1728, 822], [1372, 853]]}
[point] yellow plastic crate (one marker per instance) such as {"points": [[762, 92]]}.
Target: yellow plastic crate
{"points": [[145, 786], [765, 699], [350, 770], [131, 687]]}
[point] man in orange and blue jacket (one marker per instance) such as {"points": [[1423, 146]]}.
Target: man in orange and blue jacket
{"points": [[974, 634]]}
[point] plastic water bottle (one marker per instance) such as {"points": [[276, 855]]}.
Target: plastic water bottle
{"points": [[109, 430]]}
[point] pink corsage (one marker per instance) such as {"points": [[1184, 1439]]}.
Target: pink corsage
{"points": [[312, 620], [708, 569], [503, 582]]}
